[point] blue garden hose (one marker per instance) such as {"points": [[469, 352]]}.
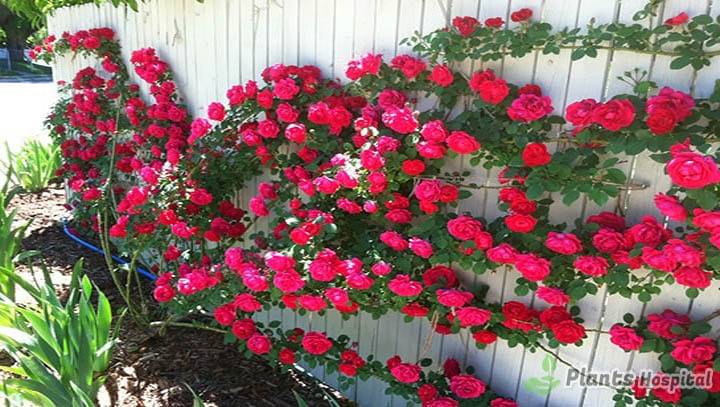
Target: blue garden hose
{"points": [[150, 276]]}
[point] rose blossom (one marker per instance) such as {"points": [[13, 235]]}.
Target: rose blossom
{"points": [[465, 25], [464, 227], [615, 114], [692, 170], [462, 143], [441, 75], [563, 243], [625, 337], [466, 386], [553, 296], [529, 108], [316, 343], [671, 207], [697, 350], [403, 286], [536, 155]]}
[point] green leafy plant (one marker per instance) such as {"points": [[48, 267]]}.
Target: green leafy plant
{"points": [[34, 166], [61, 351], [11, 237]]}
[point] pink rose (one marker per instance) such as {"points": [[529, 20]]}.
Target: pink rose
{"points": [[692, 170], [563, 243], [671, 207], [532, 267]]}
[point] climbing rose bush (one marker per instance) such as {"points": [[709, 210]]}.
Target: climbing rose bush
{"points": [[354, 208]]}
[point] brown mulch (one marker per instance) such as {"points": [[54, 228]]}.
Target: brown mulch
{"points": [[151, 369]]}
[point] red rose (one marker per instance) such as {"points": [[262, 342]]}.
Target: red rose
{"points": [[691, 170], [243, 328], [421, 248], [532, 267], [259, 344], [430, 150], [216, 111], [286, 89], [428, 190], [502, 253], [224, 314], [400, 120], [501, 402], [662, 390], [403, 286], [408, 65], [625, 337], [163, 293], [472, 316], [662, 121], [593, 266], [608, 220], [697, 350], [528, 108], [434, 131], [563, 243], [535, 155], [414, 310], [581, 113], [671, 207], [464, 227], [520, 223], [521, 15], [568, 331], [648, 232], [453, 298], [518, 316], [413, 167], [608, 241], [467, 387], [493, 91], [693, 277], [553, 296], [462, 143], [679, 19], [485, 337], [286, 356], [296, 133], [494, 22], [394, 240], [615, 114], [442, 76], [427, 393], [406, 372], [668, 324], [465, 25], [316, 343], [442, 274]]}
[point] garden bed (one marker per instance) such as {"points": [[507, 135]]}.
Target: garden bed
{"points": [[154, 370]]}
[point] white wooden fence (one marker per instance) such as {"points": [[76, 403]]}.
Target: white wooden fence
{"points": [[213, 45]]}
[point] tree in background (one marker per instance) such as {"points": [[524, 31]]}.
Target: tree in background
{"points": [[20, 18]]}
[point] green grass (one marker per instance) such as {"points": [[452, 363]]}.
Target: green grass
{"points": [[23, 68]]}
